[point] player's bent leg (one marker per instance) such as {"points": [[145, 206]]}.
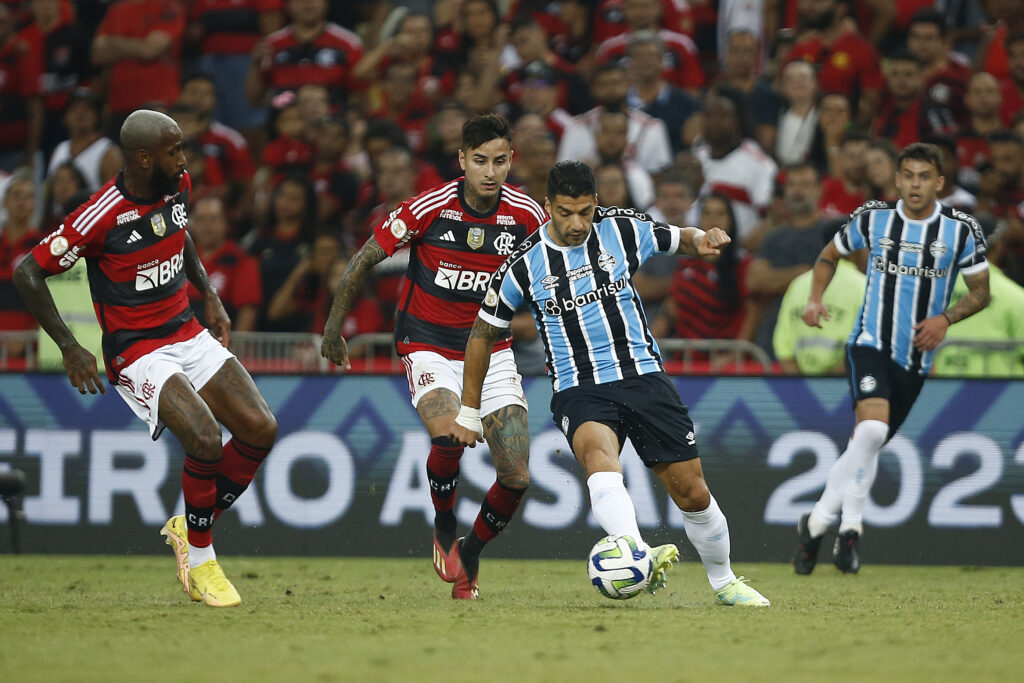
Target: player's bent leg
{"points": [[437, 409], [235, 401], [596, 447], [508, 438], [190, 420]]}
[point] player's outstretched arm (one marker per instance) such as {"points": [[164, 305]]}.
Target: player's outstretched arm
{"points": [[333, 346], [821, 276], [216, 317], [467, 429], [700, 244], [931, 331], [80, 365]]}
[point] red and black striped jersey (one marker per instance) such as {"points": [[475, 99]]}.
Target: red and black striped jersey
{"points": [[327, 60], [135, 254], [453, 252]]}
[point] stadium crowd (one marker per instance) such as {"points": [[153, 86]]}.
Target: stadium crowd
{"points": [[307, 122]]}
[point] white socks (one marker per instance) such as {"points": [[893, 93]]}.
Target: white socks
{"points": [[612, 505], [198, 556], [708, 531], [850, 480]]}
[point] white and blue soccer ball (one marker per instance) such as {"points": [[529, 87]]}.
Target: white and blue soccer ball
{"points": [[620, 567]]}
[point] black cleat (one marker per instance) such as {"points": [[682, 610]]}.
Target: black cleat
{"points": [[844, 555], [807, 553]]}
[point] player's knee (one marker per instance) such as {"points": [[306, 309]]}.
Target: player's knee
{"points": [[871, 434], [691, 495], [265, 432], [208, 441]]}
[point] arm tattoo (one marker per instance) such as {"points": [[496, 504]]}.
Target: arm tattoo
{"points": [[508, 437], [976, 299], [484, 330], [827, 262], [352, 279], [194, 270], [30, 279]]}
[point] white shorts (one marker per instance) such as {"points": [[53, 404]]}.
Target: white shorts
{"points": [[503, 386], [140, 383]]}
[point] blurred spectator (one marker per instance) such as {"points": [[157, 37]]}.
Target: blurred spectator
{"points": [[740, 69], [21, 102], [1006, 18], [227, 31], [965, 22], [982, 102], [17, 238], [847, 62], [337, 187], [880, 160], [396, 181], [538, 94], [570, 30], [65, 53], [477, 91], [531, 44], [999, 321], [906, 115], [363, 318], [790, 249], [843, 193], [221, 142], [1001, 193], [673, 200], [232, 272], [613, 188], [649, 143], [65, 182], [733, 163], [681, 64], [945, 73], [533, 158], [208, 178], [290, 151], [651, 93], [285, 235], [708, 299], [798, 121], [834, 122], [614, 17], [309, 49], [1012, 87], [444, 139], [139, 43], [397, 102], [805, 350], [96, 156], [314, 103], [951, 194], [295, 306], [383, 135], [411, 43], [611, 142]]}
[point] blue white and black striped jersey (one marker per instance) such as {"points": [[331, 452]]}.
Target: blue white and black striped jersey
{"points": [[582, 298], [912, 267]]}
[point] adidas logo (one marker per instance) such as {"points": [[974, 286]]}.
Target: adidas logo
{"points": [[134, 237], [448, 237]]}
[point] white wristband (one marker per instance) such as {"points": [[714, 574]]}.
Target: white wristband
{"points": [[470, 419]]}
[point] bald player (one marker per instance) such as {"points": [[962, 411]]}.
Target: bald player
{"points": [[170, 370]]}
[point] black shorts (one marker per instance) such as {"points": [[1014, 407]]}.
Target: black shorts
{"points": [[644, 409], [873, 374]]}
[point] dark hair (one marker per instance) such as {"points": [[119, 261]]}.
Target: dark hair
{"points": [[729, 260], [386, 129], [921, 151], [483, 128], [944, 142], [571, 178], [854, 135], [904, 55], [1014, 37], [309, 212], [674, 176], [629, 202], [929, 15], [198, 76], [801, 165], [1005, 136], [730, 92]]}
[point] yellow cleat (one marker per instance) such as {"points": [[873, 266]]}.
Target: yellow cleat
{"points": [[176, 536], [662, 558], [737, 592], [208, 581]]}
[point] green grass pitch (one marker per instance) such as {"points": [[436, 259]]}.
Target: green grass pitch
{"points": [[104, 618]]}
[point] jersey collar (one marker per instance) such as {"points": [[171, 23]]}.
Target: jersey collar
{"points": [[935, 212]]}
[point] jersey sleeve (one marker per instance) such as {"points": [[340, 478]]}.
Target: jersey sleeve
{"points": [[504, 296], [853, 235], [74, 238], [654, 237], [972, 259], [398, 229]]}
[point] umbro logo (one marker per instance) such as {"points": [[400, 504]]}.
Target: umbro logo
{"points": [[448, 237], [134, 237]]}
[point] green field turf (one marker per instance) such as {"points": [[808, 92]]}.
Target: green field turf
{"points": [[103, 618]]}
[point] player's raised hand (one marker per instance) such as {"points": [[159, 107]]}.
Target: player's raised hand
{"points": [[814, 312], [333, 346], [712, 242], [80, 365], [930, 331], [218, 321]]}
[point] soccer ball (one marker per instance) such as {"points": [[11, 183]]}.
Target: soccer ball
{"points": [[619, 567]]}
